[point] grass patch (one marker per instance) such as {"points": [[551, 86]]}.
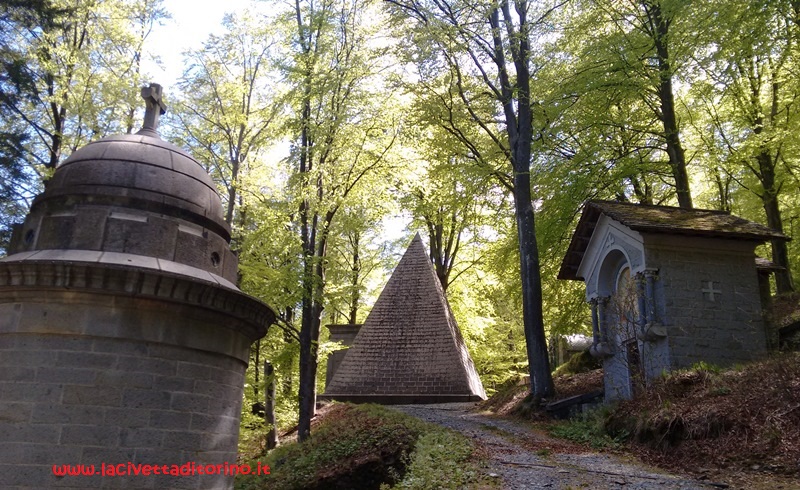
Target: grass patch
{"points": [[442, 459], [368, 447], [588, 429]]}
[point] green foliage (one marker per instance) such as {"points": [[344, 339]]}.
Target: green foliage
{"points": [[365, 135], [490, 325], [69, 74], [441, 459], [360, 443], [706, 367], [580, 362], [229, 109], [83, 70], [589, 428]]}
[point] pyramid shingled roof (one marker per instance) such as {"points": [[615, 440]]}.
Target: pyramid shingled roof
{"points": [[410, 349]]}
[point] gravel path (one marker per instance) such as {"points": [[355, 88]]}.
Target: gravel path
{"points": [[521, 466]]}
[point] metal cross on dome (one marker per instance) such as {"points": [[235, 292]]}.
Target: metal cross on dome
{"points": [[155, 107]]}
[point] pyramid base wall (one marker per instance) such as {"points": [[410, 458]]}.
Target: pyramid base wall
{"points": [[401, 399]]}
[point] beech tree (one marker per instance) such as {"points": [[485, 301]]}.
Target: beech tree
{"points": [[85, 75], [229, 104], [451, 200], [750, 106], [625, 57], [357, 252], [71, 74], [342, 129], [490, 46]]}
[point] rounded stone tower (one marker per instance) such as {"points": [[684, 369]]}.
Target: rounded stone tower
{"points": [[123, 338]]}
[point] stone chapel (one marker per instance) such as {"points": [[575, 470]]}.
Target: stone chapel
{"points": [[668, 287]]}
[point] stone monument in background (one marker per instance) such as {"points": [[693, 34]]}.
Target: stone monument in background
{"points": [[123, 337], [410, 349]]}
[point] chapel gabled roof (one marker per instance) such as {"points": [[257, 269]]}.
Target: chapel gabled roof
{"points": [[410, 349], [659, 220]]}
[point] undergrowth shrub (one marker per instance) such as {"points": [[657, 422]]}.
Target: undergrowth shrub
{"points": [[441, 459], [369, 447], [744, 416], [589, 428], [354, 447], [580, 362]]}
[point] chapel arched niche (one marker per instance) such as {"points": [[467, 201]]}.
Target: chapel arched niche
{"points": [[614, 263], [618, 302], [618, 295]]}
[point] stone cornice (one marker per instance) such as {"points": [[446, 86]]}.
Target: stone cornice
{"points": [[131, 281]]}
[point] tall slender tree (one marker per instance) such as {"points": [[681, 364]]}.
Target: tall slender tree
{"points": [[229, 106], [342, 131], [489, 47], [752, 68]]}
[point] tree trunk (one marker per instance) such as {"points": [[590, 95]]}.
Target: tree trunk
{"points": [[309, 334], [308, 228], [677, 158], [232, 190], [439, 252], [309, 341], [641, 189], [287, 385], [355, 276], [55, 149], [723, 190], [308, 371], [519, 123], [535, 342], [769, 198], [257, 348], [269, 405]]}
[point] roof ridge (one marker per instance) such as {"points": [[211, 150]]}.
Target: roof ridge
{"points": [[661, 206]]}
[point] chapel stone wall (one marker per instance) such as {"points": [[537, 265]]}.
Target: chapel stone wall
{"points": [[722, 325]]}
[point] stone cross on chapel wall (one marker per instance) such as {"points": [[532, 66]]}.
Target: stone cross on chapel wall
{"points": [[710, 290], [153, 97]]}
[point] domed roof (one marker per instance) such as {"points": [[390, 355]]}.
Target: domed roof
{"points": [[132, 199], [147, 173]]}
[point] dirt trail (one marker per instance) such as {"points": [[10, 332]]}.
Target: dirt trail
{"points": [[525, 459]]}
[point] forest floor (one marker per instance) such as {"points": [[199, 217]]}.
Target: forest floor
{"points": [[522, 456], [700, 428], [737, 428]]}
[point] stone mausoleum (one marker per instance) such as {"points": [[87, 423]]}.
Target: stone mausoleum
{"points": [[123, 337], [410, 349], [668, 287]]}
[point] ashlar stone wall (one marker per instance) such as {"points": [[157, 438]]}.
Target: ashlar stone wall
{"points": [[709, 299], [124, 366]]}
